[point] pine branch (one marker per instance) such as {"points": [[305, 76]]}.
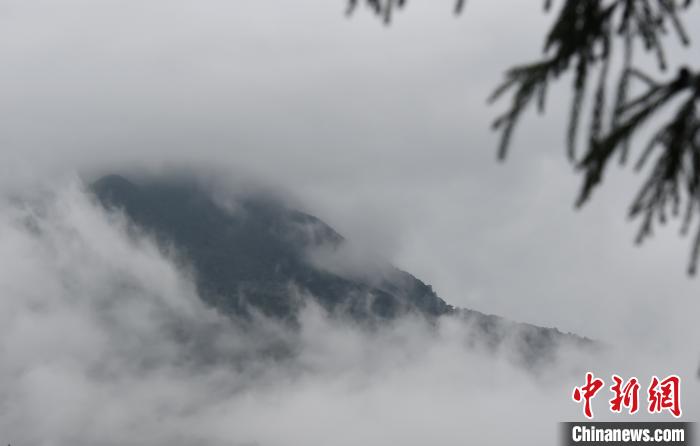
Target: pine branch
{"points": [[385, 8], [581, 37], [580, 41]]}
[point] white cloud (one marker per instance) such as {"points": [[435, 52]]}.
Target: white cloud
{"points": [[104, 340]]}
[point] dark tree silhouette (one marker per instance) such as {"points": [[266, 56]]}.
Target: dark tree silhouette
{"points": [[581, 41]]}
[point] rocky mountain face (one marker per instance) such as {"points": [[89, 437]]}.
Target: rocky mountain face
{"points": [[256, 254]]}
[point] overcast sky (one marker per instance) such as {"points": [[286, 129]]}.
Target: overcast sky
{"points": [[382, 132]]}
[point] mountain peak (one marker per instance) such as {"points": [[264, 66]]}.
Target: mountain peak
{"points": [[253, 255]]}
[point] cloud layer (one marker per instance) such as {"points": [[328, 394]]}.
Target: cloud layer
{"points": [[104, 340]]}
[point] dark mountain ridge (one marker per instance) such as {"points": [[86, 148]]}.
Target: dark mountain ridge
{"points": [[248, 257], [254, 257]]}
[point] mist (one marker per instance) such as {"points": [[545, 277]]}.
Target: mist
{"points": [[104, 340], [383, 133]]}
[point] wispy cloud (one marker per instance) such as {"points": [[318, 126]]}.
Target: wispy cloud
{"points": [[104, 340]]}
